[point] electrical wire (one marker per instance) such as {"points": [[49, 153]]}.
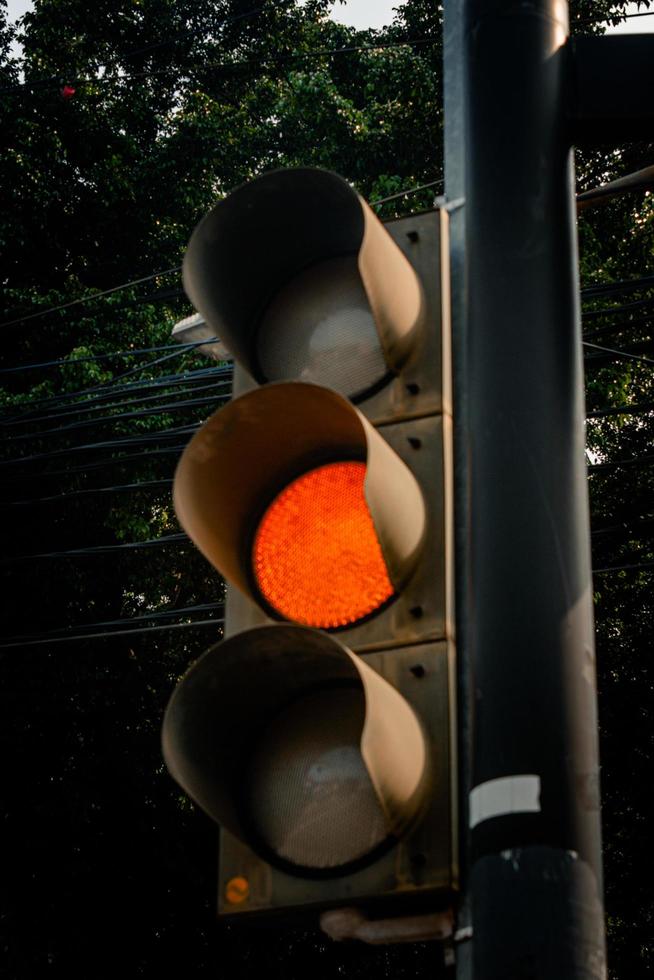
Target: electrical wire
{"points": [[98, 404], [231, 65], [162, 382], [620, 353], [100, 549], [102, 636], [587, 292], [636, 461], [148, 617], [149, 438], [144, 440], [641, 409], [90, 491], [614, 310], [412, 190], [269, 62], [169, 409], [154, 275], [89, 299], [128, 458], [112, 461], [641, 566], [66, 361], [209, 30], [618, 286], [174, 538], [105, 386], [73, 637], [593, 469], [630, 526], [169, 295], [616, 328], [139, 368], [109, 390]]}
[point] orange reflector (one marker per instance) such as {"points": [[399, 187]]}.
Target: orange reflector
{"points": [[237, 890], [316, 555]]}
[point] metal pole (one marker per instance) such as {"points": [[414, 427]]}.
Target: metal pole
{"points": [[535, 879], [454, 202]]}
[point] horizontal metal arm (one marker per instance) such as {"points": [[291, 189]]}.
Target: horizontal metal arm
{"points": [[612, 80]]}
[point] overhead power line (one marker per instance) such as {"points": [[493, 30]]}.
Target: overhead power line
{"points": [[101, 549], [620, 353], [618, 286], [182, 404], [104, 403], [630, 526], [234, 64], [112, 627], [639, 567], [91, 491], [615, 310], [109, 391], [175, 538], [217, 622], [621, 327], [55, 80], [641, 409], [153, 437], [104, 635], [587, 292], [126, 459], [148, 617], [154, 275], [172, 407], [404, 193], [89, 299], [67, 361], [127, 441], [593, 469]]}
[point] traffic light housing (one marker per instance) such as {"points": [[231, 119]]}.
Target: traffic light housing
{"points": [[320, 733]]}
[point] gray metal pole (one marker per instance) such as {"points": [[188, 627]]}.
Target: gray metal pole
{"points": [[454, 202], [535, 860]]}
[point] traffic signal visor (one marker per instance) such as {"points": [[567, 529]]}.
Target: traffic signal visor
{"points": [[297, 500], [300, 280], [297, 747]]}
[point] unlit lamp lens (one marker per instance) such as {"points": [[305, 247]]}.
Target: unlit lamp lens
{"points": [[316, 556], [311, 800], [319, 328]]}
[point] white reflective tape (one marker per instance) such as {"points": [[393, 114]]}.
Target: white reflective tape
{"points": [[499, 797]]}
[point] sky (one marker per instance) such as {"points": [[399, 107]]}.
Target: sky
{"points": [[378, 13], [357, 13]]}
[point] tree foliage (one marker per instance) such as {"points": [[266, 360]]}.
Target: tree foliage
{"points": [[175, 104]]}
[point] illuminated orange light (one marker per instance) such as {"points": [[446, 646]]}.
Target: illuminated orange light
{"points": [[316, 555]]}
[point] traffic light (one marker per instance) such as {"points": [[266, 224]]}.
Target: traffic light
{"points": [[319, 733]]}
